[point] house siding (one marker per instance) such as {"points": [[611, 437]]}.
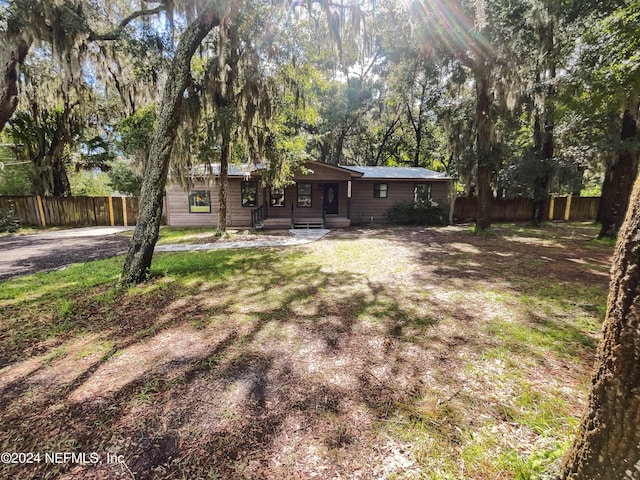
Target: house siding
{"points": [[365, 208], [178, 214]]}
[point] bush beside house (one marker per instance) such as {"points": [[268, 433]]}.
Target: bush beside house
{"points": [[416, 213]]}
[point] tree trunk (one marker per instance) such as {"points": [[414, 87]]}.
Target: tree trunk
{"points": [[619, 178], [61, 187], [544, 144], [606, 446], [223, 186], [416, 155], [482, 74], [543, 151], [337, 154], [61, 184], [138, 261], [12, 55]]}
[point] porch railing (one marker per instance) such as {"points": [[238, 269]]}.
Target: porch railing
{"points": [[258, 215]]}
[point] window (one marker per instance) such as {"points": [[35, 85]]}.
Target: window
{"points": [[304, 195], [380, 190], [200, 201], [249, 194], [422, 192], [276, 197]]}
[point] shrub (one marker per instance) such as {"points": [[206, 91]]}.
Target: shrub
{"points": [[417, 213], [8, 222]]}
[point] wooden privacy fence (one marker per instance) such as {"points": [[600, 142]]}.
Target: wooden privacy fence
{"points": [[521, 209], [86, 211], [72, 211]]}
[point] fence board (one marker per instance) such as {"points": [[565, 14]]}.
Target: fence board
{"points": [[521, 209], [70, 211], [584, 208], [25, 208]]}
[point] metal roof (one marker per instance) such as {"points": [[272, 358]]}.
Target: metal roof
{"points": [[398, 173], [234, 170]]}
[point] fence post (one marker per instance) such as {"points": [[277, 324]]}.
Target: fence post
{"points": [[567, 209], [124, 210], [111, 220], [552, 204], [41, 211]]}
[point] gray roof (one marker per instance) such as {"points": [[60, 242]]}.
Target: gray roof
{"points": [[398, 173], [234, 170]]}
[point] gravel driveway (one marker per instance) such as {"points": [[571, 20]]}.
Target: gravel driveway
{"points": [[25, 254]]}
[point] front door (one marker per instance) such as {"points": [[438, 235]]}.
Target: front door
{"points": [[331, 198]]}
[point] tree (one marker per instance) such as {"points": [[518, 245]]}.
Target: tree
{"points": [[241, 103], [606, 446], [138, 260], [608, 79], [25, 22], [68, 28], [48, 125], [123, 179], [543, 123], [486, 47], [421, 80]]}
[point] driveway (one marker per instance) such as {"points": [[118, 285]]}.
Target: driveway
{"points": [[24, 254]]}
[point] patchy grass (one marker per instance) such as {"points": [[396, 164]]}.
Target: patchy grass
{"points": [[23, 231], [183, 235], [391, 353]]}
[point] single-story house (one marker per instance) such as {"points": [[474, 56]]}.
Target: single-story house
{"points": [[321, 195]]}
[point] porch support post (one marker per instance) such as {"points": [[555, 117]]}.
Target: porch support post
{"points": [[349, 199], [264, 201]]}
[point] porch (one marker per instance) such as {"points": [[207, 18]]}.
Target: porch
{"points": [[309, 203]]}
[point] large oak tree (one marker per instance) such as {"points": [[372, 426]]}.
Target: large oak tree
{"points": [[607, 446]]}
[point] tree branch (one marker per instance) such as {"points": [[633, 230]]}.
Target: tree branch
{"points": [[115, 34]]}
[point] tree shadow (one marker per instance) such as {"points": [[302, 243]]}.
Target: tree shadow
{"points": [[267, 363]]}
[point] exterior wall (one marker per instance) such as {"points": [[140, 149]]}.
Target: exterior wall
{"points": [[178, 214], [364, 205]]}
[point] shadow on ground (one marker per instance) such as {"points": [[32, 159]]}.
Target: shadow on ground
{"points": [[306, 362]]}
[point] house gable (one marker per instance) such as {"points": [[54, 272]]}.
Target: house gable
{"points": [[323, 172]]}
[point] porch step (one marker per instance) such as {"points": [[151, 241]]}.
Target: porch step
{"points": [[311, 223], [308, 224]]}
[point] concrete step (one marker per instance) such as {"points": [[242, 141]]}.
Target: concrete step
{"points": [[308, 224]]}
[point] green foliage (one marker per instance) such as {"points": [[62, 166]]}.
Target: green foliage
{"points": [[8, 222], [136, 131], [416, 213], [123, 179], [98, 154], [15, 178], [92, 183]]}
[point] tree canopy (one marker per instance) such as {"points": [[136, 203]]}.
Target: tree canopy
{"points": [[511, 98]]}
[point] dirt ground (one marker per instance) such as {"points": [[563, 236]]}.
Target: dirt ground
{"points": [[373, 353]]}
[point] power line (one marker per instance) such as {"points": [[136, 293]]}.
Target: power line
{"points": [[7, 164]]}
